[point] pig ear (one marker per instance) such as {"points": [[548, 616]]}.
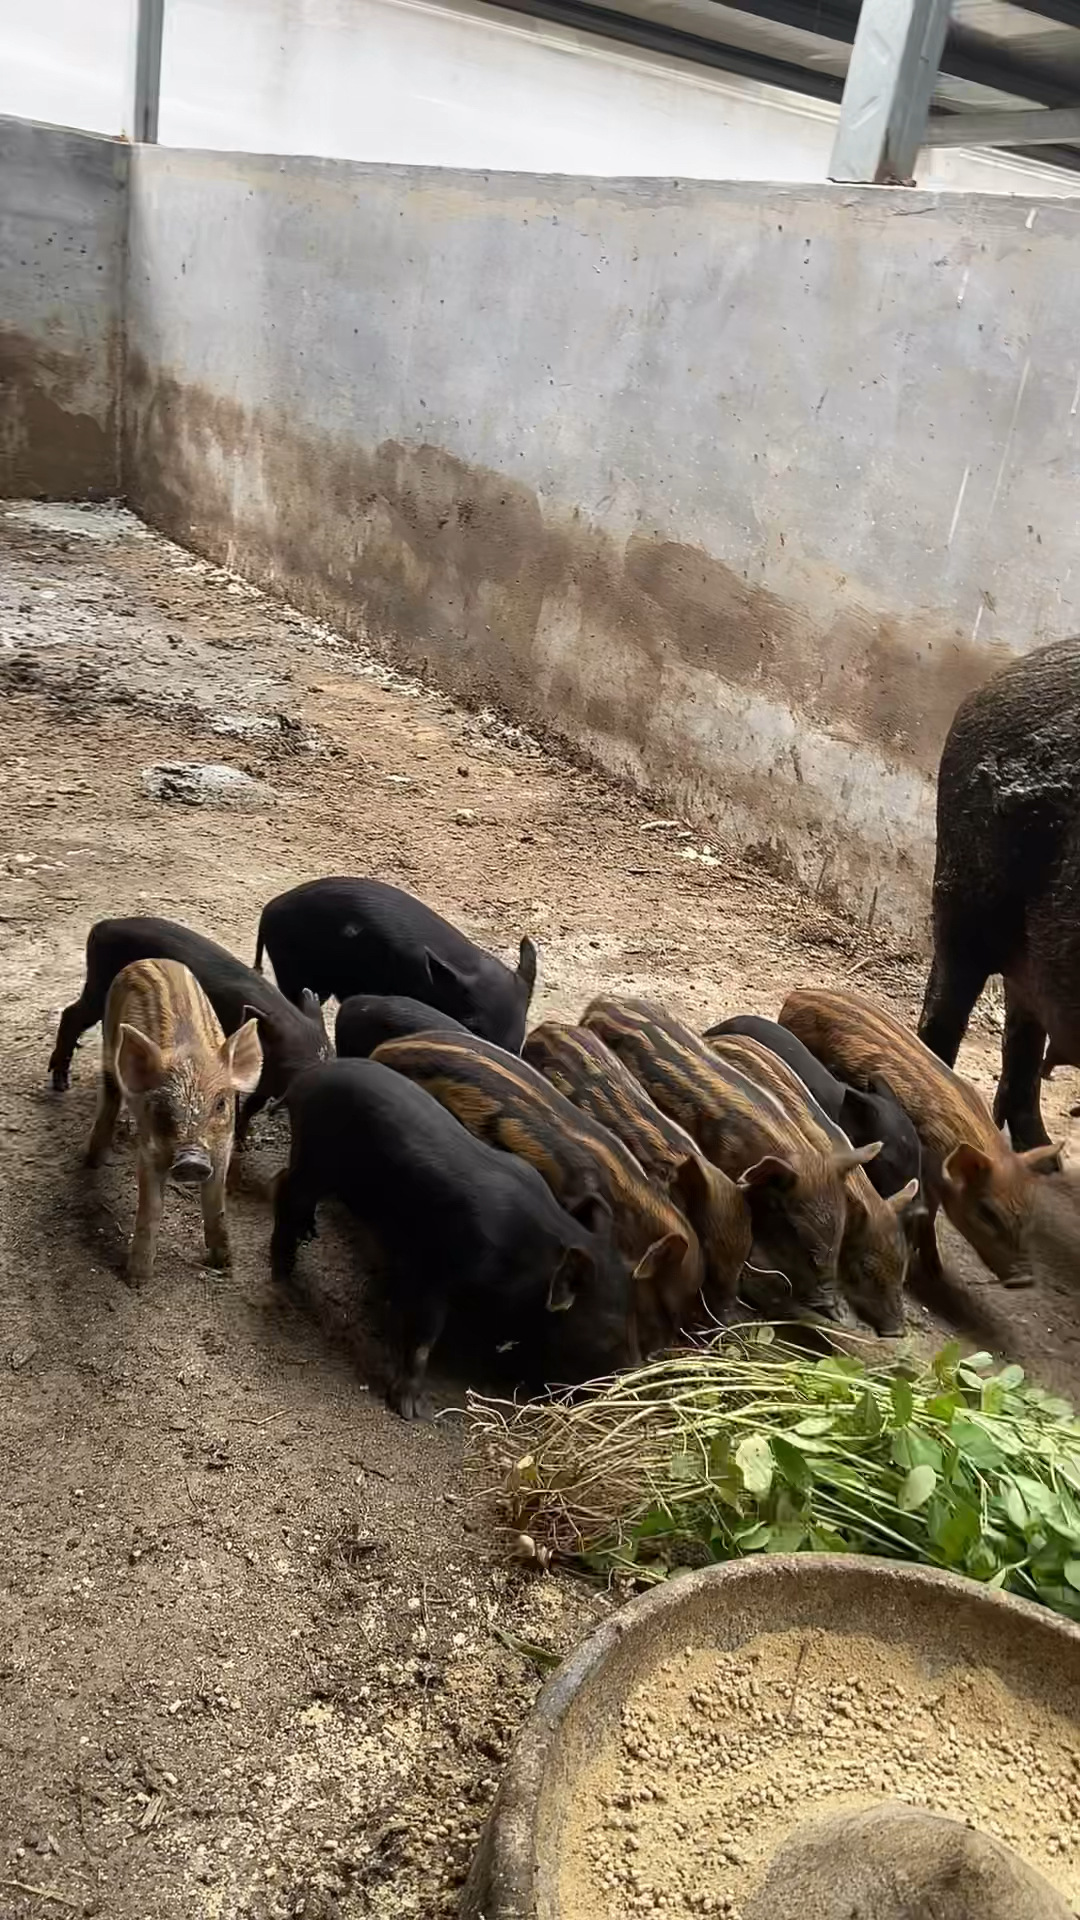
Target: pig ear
{"points": [[904, 1201], [668, 1252], [139, 1064], [1044, 1159], [241, 1056], [592, 1212], [527, 958], [853, 1157], [442, 974], [967, 1166], [575, 1268], [689, 1186], [769, 1172]]}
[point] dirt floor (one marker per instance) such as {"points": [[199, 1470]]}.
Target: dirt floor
{"points": [[260, 1655]]}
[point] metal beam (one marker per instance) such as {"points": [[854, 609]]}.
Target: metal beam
{"points": [[891, 78], [1065, 12], [967, 55], [677, 45], [1043, 127], [148, 69]]}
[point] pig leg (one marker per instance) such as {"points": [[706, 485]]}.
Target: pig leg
{"points": [[422, 1323], [104, 1127], [955, 983], [215, 1224], [147, 1221], [1016, 1102], [928, 1274], [83, 1013], [246, 1111], [294, 1220]]}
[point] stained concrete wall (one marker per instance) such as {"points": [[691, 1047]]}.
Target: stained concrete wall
{"points": [[740, 488], [63, 213]]}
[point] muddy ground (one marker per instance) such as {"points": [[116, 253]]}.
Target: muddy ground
{"points": [[261, 1655]]}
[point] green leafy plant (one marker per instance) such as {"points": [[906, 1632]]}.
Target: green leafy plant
{"points": [[747, 1446]]}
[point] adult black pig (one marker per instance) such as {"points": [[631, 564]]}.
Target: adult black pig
{"points": [[291, 1036], [454, 1225], [1007, 876], [345, 937], [365, 1020], [863, 1114]]}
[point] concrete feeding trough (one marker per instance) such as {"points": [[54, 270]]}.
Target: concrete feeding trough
{"points": [[798, 1737]]}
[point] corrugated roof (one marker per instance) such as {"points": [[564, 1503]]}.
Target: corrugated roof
{"points": [[998, 55]]}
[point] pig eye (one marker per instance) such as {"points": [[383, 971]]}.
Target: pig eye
{"points": [[222, 1105]]}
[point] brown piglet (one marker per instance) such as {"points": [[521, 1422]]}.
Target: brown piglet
{"points": [[166, 1059], [792, 1186], [875, 1248], [1018, 1210], [587, 1072]]}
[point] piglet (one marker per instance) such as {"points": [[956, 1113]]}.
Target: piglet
{"points": [[455, 1228], [166, 1059]]}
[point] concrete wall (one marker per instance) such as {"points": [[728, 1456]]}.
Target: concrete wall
{"points": [[740, 488], [63, 207]]}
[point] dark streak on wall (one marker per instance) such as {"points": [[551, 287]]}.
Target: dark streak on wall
{"points": [[63, 213], [49, 447], [460, 570]]}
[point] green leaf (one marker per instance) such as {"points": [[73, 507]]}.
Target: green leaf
{"points": [[910, 1448], [788, 1539], [975, 1443], [816, 1423], [982, 1562], [1072, 1572], [1011, 1377], [946, 1362], [659, 1519], [992, 1396], [915, 1489], [1013, 1501], [980, 1361], [954, 1530], [827, 1540], [1037, 1498], [903, 1402], [868, 1415], [998, 1579], [754, 1459], [1067, 1519], [943, 1406], [755, 1539], [793, 1465]]}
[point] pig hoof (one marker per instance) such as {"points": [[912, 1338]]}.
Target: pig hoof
{"points": [[219, 1258], [61, 1079], [138, 1273], [406, 1404]]}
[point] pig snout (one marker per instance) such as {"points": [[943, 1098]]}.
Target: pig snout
{"points": [[191, 1166]]}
